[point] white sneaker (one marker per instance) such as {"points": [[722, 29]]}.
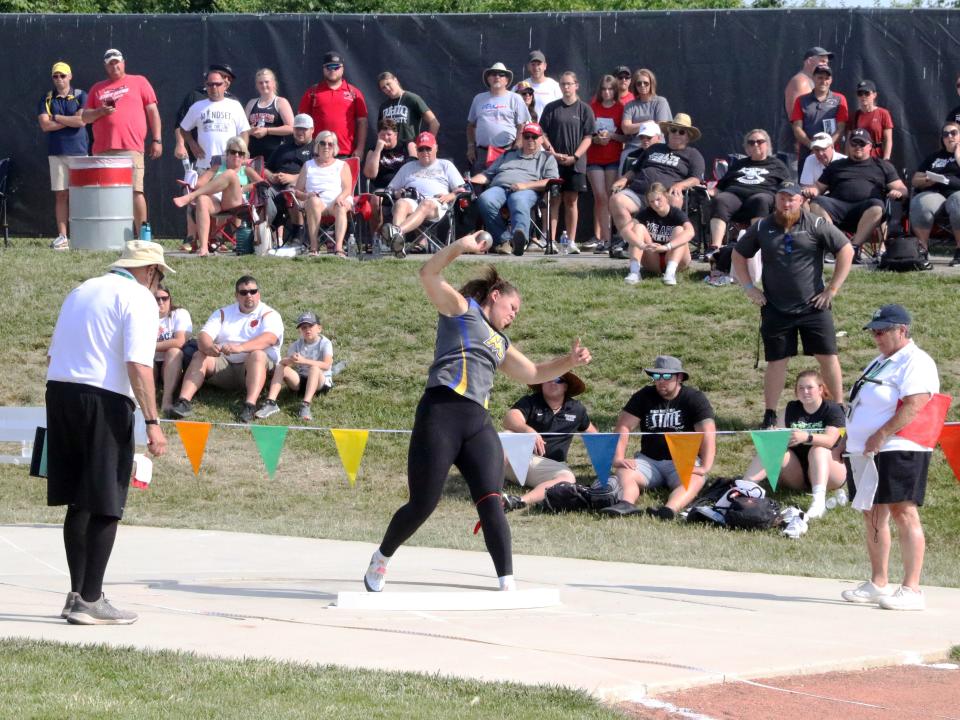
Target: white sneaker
{"points": [[669, 279], [61, 243], [817, 510], [573, 250], [374, 579], [867, 593], [904, 599], [632, 279]]}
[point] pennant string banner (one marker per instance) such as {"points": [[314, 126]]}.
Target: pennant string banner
{"points": [[269, 440], [601, 448], [519, 450], [771, 446], [351, 445], [194, 436], [684, 448]]}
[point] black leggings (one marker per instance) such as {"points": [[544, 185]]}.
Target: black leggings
{"points": [[88, 541], [453, 430], [726, 205]]}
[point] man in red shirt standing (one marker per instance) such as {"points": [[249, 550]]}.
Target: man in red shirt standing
{"points": [[336, 105], [120, 108]]}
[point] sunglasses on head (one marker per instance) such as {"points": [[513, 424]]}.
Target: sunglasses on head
{"points": [[162, 298], [254, 291], [215, 84], [756, 141], [58, 76], [332, 66], [662, 375], [677, 131]]}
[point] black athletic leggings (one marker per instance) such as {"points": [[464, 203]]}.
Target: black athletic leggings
{"points": [[452, 430]]}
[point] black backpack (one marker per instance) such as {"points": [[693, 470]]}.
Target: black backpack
{"points": [[566, 497], [752, 513], [903, 255], [605, 494]]}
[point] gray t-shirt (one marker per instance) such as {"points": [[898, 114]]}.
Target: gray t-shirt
{"points": [[656, 108], [497, 118], [792, 270], [513, 167], [322, 349], [437, 178], [567, 126]]}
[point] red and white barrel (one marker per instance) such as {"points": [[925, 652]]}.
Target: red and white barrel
{"points": [[101, 202]]}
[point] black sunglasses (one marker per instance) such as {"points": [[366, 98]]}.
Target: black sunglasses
{"points": [[162, 298], [950, 133], [858, 143], [235, 152], [530, 136], [215, 84], [332, 66], [760, 141], [678, 131], [662, 376], [58, 76], [424, 148], [248, 292], [325, 143]]}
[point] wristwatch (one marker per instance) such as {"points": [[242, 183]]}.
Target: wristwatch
{"points": [[809, 438], [154, 421], [155, 141]]}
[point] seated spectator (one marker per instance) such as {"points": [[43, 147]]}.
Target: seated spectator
{"points": [[874, 119], [216, 119], [270, 116], [856, 187], [646, 105], [408, 110], [659, 239], [220, 188], [433, 184], [664, 406], [938, 182], [603, 156], [515, 178], [525, 91], [282, 171], [305, 368], [673, 164], [821, 110], [747, 190], [381, 164], [495, 119], [325, 186], [812, 461], [550, 408], [237, 346], [822, 153], [169, 360], [624, 84]]}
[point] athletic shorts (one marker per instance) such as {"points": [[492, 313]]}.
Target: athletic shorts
{"points": [[232, 376], [844, 214], [903, 477], [637, 200], [137, 158], [539, 471], [440, 208], [59, 172], [658, 473], [604, 168], [573, 181], [780, 330]]}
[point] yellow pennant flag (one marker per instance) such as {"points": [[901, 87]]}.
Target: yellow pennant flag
{"points": [[193, 435], [684, 449], [350, 446]]}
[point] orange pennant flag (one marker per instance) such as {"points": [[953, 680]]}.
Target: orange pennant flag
{"points": [[950, 444], [684, 449], [193, 435]]}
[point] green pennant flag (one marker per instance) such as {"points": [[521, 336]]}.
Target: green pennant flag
{"points": [[771, 445], [269, 439]]}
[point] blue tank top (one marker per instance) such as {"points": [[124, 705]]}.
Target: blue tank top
{"points": [[468, 352]]}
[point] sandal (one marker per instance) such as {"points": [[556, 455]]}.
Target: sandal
{"points": [[313, 253], [340, 254]]}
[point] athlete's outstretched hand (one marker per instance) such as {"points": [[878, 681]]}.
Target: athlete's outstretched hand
{"points": [[579, 354]]}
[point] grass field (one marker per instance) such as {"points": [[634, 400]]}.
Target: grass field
{"points": [[381, 324]]}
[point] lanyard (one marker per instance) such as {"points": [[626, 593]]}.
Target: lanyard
{"points": [[869, 376]]}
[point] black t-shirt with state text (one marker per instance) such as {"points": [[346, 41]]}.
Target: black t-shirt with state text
{"points": [[661, 228], [857, 180], [658, 163], [659, 415], [572, 417], [943, 163]]}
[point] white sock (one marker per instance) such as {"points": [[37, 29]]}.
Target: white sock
{"points": [[507, 582], [671, 269], [819, 505], [635, 266]]}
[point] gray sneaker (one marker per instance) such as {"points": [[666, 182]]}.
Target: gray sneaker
{"points": [[100, 612], [68, 605], [268, 408], [181, 409], [305, 412]]}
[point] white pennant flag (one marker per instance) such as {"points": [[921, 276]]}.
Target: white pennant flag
{"points": [[519, 449], [866, 478]]}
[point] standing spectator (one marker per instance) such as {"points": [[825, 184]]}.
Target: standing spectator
{"points": [[381, 165], [175, 329], [821, 110], [954, 115], [624, 84], [525, 90], [794, 300], [874, 119], [336, 105], [270, 116], [569, 125], [799, 84], [100, 361], [603, 156], [890, 394], [495, 119], [646, 105], [408, 110], [60, 115], [120, 109], [938, 182], [823, 153], [545, 89], [216, 119]]}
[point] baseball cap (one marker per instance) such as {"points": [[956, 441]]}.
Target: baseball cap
{"points": [[649, 128], [61, 67], [331, 57], [532, 129], [224, 69], [620, 70], [303, 121], [823, 70], [522, 87], [821, 141], [111, 55], [426, 139], [861, 134], [789, 187], [867, 85], [307, 318], [536, 55], [817, 51], [888, 316]]}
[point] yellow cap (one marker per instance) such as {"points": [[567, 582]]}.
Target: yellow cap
{"points": [[61, 67]]}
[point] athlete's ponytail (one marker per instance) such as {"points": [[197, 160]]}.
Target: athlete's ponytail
{"points": [[480, 288]]}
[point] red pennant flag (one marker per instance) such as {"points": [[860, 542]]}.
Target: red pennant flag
{"points": [[950, 444]]}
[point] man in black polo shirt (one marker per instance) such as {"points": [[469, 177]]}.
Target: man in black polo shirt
{"points": [[794, 300], [282, 169], [550, 408], [856, 188]]}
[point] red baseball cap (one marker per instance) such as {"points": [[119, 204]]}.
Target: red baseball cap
{"points": [[532, 128], [426, 139]]}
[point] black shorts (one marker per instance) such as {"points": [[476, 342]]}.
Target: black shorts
{"points": [[846, 215], [573, 181], [779, 331], [903, 477], [89, 448]]}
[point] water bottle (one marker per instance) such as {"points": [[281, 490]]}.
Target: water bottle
{"points": [[352, 246], [564, 243], [839, 499], [145, 232]]}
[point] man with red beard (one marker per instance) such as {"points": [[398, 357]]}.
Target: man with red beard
{"points": [[794, 300]]}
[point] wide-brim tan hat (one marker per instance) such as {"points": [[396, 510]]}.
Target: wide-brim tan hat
{"points": [[575, 386], [141, 253], [681, 120], [498, 67]]}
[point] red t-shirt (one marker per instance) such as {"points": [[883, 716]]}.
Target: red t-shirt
{"points": [[608, 118], [335, 110], [874, 122], [126, 129]]}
